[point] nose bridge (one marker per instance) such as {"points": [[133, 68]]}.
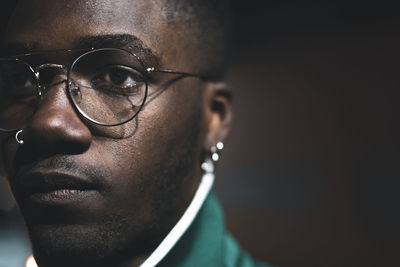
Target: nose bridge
{"points": [[50, 75], [55, 112], [56, 122], [54, 93], [55, 103]]}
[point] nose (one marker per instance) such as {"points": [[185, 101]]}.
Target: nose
{"points": [[56, 127]]}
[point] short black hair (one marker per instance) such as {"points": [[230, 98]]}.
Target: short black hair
{"points": [[211, 23]]}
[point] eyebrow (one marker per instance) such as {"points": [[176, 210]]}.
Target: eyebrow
{"points": [[128, 42]]}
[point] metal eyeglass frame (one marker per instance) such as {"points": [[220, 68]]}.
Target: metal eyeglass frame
{"points": [[70, 83]]}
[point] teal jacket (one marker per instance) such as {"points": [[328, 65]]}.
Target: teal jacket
{"points": [[207, 244]]}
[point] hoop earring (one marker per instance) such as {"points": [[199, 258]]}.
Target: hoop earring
{"points": [[17, 138], [208, 166]]}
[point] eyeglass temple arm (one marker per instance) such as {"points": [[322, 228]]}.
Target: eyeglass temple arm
{"points": [[152, 70]]}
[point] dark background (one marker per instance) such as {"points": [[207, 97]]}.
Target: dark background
{"points": [[310, 173], [309, 176]]}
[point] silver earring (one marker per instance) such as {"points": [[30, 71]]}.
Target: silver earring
{"points": [[18, 139], [208, 166], [215, 150]]}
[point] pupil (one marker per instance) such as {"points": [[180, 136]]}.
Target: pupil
{"points": [[118, 77]]}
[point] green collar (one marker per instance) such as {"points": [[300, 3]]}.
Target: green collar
{"points": [[202, 243], [206, 243]]}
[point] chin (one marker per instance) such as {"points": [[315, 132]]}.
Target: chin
{"points": [[79, 245], [66, 245]]}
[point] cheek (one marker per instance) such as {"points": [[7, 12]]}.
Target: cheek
{"points": [[168, 121], [163, 152], [8, 148]]}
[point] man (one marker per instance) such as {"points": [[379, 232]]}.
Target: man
{"points": [[112, 113]]}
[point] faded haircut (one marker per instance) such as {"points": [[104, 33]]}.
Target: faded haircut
{"points": [[210, 23]]}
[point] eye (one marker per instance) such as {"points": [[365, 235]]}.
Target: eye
{"points": [[121, 77], [118, 79], [17, 85]]}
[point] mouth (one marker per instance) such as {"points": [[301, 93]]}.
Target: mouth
{"points": [[54, 188]]}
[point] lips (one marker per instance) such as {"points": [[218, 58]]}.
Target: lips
{"points": [[51, 187]]}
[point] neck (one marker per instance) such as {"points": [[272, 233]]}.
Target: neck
{"points": [[180, 227]]}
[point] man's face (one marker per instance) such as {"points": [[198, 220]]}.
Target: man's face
{"points": [[142, 174]]}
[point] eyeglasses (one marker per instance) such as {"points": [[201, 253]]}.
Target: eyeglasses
{"points": [[107, 86]]}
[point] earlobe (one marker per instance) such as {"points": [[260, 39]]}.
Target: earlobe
{"points": [[219, 113]]}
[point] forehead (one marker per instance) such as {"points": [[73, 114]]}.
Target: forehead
{"points": [[59, 24]]}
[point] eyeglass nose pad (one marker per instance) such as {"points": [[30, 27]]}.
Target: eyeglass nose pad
{"points": [[75, 92]]}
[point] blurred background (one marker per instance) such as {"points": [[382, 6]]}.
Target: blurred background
{"points": [[310, 174]]}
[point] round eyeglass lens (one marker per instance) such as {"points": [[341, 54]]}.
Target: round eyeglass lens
{"points": [[107, 86], [18, 94]]}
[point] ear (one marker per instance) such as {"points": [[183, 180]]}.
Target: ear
{"points": [[218, 105]]}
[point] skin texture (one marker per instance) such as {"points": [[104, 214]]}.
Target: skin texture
{"points": [[146, 170]]}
